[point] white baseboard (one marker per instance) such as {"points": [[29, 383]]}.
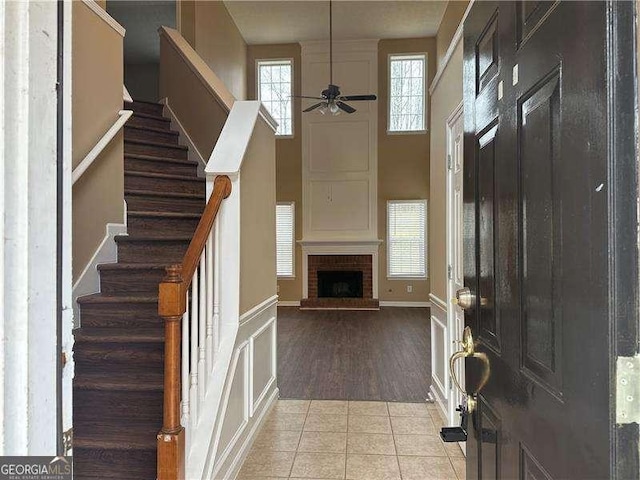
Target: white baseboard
{"points": [[89, 281], [288, 303], [439, 400], [405, 304], [194, 153]]}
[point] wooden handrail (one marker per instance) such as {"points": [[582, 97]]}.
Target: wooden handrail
{"points": [[172, 304]]}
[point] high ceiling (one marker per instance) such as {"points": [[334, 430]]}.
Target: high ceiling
{"points": [[265, 22]]}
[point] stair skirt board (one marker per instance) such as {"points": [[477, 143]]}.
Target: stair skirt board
{"points": [[194, 153], [89, 281]]}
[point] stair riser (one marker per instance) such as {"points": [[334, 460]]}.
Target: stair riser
{"points": [[150, 136], [161, 226], [152, 252], [159, 151], [116, 407], [122, 315], [148, 122], [132, 182], [143, 203], [152, 166], [149, 108], [120, 464], [131, 283], [118, 357]]}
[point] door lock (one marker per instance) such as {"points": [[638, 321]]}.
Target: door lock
{"points": [[467, 300]]}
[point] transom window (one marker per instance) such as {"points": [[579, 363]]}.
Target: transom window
{"points": [[275, 78], [285, 239], [407, 93], [407, 239]]}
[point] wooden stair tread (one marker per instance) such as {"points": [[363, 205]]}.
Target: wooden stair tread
{"points": [[135, 436], [153, 193], [150, 238], [98, 298], [152, 129], [160, 158], [153, 117], [132, 266], [166, 176], [118, 381], [163, 214], [151, 143], [119, 335]]}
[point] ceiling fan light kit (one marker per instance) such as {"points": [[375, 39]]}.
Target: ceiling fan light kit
{"points": [[332, 101]]}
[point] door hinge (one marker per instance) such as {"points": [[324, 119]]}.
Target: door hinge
{"points": [[628, 390], [449, 272], [449, 162]]}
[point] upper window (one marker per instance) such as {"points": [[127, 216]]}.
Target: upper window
{"points": [[407, 239], [285, 239], [275, 78], [407, 93]]}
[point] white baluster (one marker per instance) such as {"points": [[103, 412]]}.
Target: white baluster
{"points": [[209, 277], [216, 287], [184, 401], [193, 350], [202, 305]]}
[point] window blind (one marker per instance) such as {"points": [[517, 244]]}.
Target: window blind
{"points": [[285, 237], [406, 242]]}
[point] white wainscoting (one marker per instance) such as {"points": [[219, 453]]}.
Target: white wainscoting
{"points": [[440, 352], [250, 391]]}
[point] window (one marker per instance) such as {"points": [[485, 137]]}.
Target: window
{"points": [[285, 239], [407, 93], [274, 91], [406, 239]]}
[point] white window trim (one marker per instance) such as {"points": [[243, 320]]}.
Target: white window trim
{"points": [[276, 61], [293, 242], [426, 242], [425, 93]]}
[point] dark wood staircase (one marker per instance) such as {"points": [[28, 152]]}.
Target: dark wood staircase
{"points": [[119, 349]]}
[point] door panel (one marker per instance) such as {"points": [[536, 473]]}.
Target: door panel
{"points": [[539, 231]]}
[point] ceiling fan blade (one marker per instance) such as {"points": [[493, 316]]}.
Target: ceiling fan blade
{"points": [[304, 96], [345, 107], [313, 107], [357, 98]]}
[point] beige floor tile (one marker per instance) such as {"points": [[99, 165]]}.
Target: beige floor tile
{"points": [[323, 442], [453, 449], [408, 409], [412, 426], [325, 422], [368, 408], [438, 418], [292, 406], [421, 445], [319, 465], [267, 464], [284, 421], [338, 407], [460, 467], [369, 424], [371, 443], [252, 477], [372, 467], [277, 440], [423, 468]]}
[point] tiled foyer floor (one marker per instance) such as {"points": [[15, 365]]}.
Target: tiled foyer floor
{"points": [[326, 439]]}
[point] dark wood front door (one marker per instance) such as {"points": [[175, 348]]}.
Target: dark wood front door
{"points": [[550, 179]]}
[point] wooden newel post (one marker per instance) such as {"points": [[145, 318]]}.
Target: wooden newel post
{"points": [[171, 307]]}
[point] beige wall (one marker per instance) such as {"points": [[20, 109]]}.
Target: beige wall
{"points": [[288, 154], [209, 28], [97, 98], [258, 219], [446, 97], [450, 21], [403, 165]]}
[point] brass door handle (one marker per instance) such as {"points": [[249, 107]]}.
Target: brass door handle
{"points": [[468, 350]]}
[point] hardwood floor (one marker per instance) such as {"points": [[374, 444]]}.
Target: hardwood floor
{"points": [[354, 355]]}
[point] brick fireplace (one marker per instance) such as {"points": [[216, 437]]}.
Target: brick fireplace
{"points": [[346, 293]]}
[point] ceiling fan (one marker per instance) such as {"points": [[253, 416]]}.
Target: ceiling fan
{"points": [[331, 98]]}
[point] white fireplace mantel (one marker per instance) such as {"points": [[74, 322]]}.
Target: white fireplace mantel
{"points": [[340, 247]]}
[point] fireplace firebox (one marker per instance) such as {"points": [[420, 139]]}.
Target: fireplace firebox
{"points": [[340, 284]]}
